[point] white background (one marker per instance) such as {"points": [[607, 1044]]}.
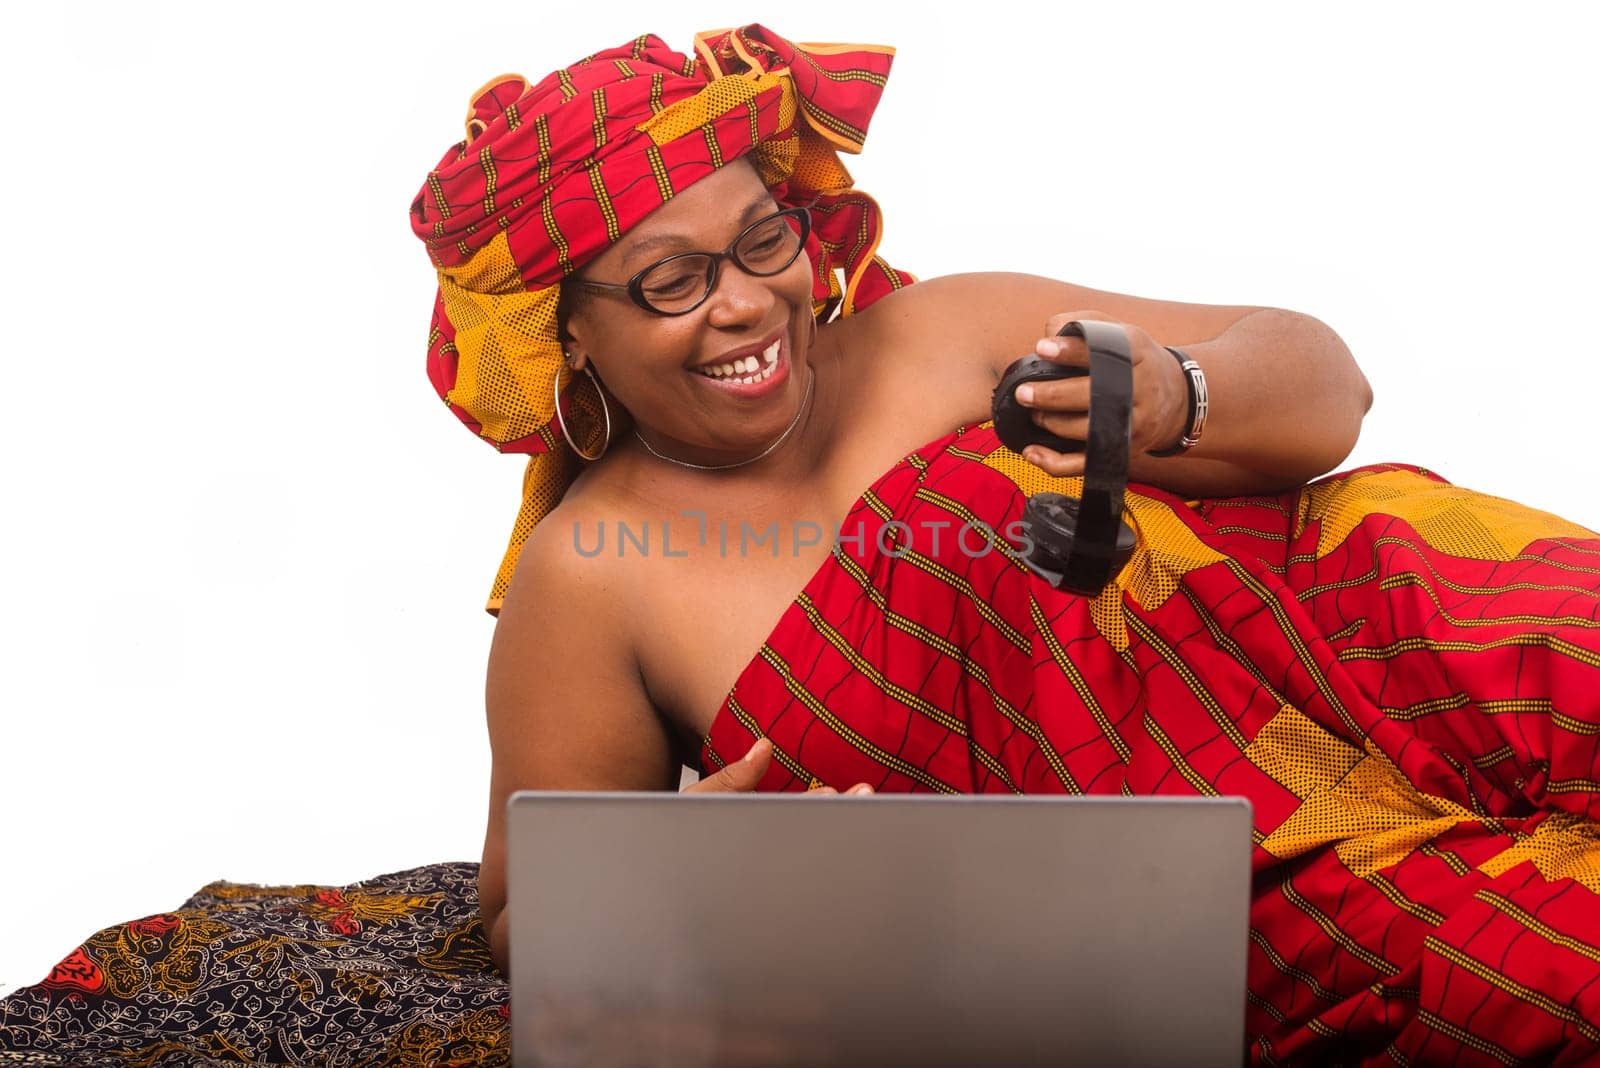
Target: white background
{"points": [[246, 548]]}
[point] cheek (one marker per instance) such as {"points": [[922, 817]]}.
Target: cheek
{"points": [[799, 279], [632, 360], [618, 338]]}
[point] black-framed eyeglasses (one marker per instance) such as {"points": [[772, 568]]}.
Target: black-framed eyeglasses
{"points": [[679, 284]]}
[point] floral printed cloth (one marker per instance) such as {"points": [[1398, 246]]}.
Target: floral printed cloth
{"points": [[389, 971]]}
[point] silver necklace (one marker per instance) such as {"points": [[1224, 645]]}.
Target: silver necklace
{"points": [[805, 405]]}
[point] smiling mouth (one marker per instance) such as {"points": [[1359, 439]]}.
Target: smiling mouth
{"points": [[748, 369]]}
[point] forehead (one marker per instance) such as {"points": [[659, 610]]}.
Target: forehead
{"points": [[704, 217]]}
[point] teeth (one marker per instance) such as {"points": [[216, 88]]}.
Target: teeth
{"points": [[747, 369]]}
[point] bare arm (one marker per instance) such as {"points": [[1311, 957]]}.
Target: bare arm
{"points": [[567, 705], [1287, 398], [567, 708]]}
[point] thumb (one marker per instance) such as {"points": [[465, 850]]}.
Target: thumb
{"points": [[740, 776]]}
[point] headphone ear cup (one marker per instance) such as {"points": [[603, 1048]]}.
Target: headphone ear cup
{"points": [[1078, 545], [1013, 423], [1058, 557]]}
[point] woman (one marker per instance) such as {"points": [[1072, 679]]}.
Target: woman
{"points": [[1235, 654], [1247, 649], [663, 634], [663, 637]]}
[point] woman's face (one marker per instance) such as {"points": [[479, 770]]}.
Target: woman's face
{"points": [[682, 377]]}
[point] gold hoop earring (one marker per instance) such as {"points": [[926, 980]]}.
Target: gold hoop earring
{"points": [[562, 423]]}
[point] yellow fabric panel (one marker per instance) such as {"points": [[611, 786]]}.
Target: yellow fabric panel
{"points": [[816, 166], [703, 108], [1106, 611], [776, 158], [1373, 813], [544, 481], [506, 340], [1449, 519], [786, 104], [1299, 754], [1564, 846]]}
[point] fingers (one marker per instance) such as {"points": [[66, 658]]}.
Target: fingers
{"points": [[1074, 426], [1160, 394], [1056, 395], [1060, 406], [739, 777], [1062, 465], [858, 790], [742, 776], [1071, 351]]}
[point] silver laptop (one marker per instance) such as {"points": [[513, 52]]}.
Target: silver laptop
{"points": [[660, 929]]}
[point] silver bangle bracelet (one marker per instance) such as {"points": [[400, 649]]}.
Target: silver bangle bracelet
{"points": [[1199, 405]]}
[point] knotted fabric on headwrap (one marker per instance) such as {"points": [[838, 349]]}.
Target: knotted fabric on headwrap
{"points": [[551, 175]]}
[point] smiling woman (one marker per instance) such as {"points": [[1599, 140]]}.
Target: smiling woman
{"points": [[883, 659], [1398, 673]]}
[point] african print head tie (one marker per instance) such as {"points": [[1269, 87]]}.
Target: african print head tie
{"points": [[551, 175]]}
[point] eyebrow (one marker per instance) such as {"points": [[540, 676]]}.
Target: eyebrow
{"points": [[683, 243]]}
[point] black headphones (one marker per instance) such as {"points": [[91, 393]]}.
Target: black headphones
{"points": [[1078, 545]]}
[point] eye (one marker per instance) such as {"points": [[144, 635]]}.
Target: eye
{"points": [[674, 282], [771, 238]]}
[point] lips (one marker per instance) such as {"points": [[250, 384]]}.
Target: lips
{"points": [[747, 370], [751, 376]]}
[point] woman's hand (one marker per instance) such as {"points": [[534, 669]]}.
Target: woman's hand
{"points": [[741, 776], [1160, 394]]}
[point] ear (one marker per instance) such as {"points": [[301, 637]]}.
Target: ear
{"points": [[573, 349]]}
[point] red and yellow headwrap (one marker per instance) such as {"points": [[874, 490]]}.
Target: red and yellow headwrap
{"points": [[550, 175]]}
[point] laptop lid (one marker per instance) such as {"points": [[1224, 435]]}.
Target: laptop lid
{"points": [[782, 929]]}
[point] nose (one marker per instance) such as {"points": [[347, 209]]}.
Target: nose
{"points": [[737, 298]]}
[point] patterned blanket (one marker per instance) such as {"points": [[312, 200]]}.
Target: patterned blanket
{"points": [[1399, 674], [391, 971]]}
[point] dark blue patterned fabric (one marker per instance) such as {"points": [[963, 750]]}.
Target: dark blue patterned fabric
{"points": [[390, 971]]}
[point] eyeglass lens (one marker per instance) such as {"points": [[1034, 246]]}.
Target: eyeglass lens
{"points": [[681, 282]]}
